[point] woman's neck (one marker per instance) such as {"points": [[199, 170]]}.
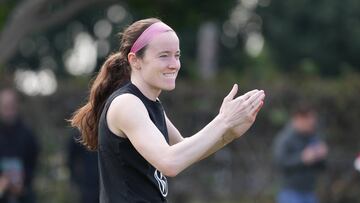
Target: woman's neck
{"points": [[146, 89]]}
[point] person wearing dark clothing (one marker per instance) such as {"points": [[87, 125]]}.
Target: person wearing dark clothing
{"points": [[18, 153], [300, 155], [123, 119], [83, 170], [139, 178]]}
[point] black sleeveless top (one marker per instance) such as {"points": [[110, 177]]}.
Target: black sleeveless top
{"points": [[125, 176]]}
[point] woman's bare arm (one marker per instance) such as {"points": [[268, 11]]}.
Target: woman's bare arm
{"points": [[134, 122]]}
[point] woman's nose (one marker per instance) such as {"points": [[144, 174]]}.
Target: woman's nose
{"points": [[174, 63]]}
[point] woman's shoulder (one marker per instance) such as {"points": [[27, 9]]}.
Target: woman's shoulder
{"points": [[126, 100], [125, 106], [126, 110]]}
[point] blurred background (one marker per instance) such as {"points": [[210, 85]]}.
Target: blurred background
{"points": [[299, 49]]}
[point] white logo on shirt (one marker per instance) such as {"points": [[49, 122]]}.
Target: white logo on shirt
{"points": [[161, 179]]}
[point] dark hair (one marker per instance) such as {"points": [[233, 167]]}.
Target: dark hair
{"points": [[303, 108], [114, 73]]}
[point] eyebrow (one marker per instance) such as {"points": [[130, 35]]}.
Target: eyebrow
{"points": [[168, 52]]}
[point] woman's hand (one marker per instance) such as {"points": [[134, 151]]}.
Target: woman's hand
{"points": [[240, 113]]}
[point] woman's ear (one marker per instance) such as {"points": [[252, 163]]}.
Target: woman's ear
{"points": [[133, 60]]}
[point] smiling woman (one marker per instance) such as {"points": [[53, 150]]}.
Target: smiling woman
{"points": [[124, 120]]}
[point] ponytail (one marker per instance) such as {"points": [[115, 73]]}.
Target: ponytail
{"points": [[114, 73]]}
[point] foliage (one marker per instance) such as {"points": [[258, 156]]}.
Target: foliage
{"points": [[324, 33]]}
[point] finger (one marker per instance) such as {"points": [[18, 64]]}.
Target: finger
{"points": [[232, 93], [255, 97], [257, 105], [257, 109], [246, 96]]}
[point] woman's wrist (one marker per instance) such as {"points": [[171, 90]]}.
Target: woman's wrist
{"points": [[227, 137], [221, 122]]}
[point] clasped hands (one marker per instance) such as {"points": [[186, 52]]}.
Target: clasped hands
{"points": [[239, 113]]}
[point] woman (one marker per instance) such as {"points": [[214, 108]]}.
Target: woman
{"points": [[138, 145]]}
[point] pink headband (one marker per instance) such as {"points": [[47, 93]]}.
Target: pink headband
{"points": [[148, 34]]}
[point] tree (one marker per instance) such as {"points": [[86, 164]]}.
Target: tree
{"points": [[322, 35], [30, 16]]}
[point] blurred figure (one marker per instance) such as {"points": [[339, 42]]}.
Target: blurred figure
{"points": [[84, 170], [300, 155], [357, 163], [18, 153]]}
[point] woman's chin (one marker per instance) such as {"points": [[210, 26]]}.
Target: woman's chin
{"points": [[169, 87]]}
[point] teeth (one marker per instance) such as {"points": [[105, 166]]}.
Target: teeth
{"points": [[169, 74]]}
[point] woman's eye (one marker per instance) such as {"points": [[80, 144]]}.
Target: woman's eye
{"points": [[162, 56]]}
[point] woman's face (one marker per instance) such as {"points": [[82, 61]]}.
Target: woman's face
{"points": [[161, 62]]}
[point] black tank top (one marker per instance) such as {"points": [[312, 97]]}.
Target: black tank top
{"points": [[125, 176]]}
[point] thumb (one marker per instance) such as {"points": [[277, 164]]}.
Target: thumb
{"points": [[232, 93]]}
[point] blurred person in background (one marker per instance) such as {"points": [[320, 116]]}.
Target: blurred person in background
{"points": [[357, 163], [124, 120], [83, 170], [300, 155], [18, 152]]}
